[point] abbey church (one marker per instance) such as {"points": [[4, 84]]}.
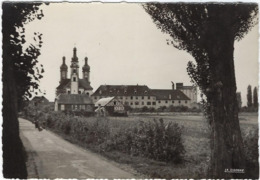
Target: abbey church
{"points": [[73, 93], [73, 84]]}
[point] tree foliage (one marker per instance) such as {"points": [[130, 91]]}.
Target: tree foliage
{"points": [[249, 96], [207, 31], [239, 100], [27, 72], [195, 27], [255, 97]]}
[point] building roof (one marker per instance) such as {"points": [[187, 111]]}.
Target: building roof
{"points": [[39, 98], [187, 87], [104, 101], [74, 99], [169, 94], [123, 90], [83, 83]]}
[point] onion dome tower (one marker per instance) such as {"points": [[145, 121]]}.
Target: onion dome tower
{"points": [[63, 70], [86, 70]]}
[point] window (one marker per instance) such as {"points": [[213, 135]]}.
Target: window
{"points": [[136, 97], [154, 103], [126, 103], [114, 102], [68, 92], [131, 103], [136, 103], [79, 92], [179, 102], [62, 107], [95, 97], [148, 97], [142, 97], [173, 102], [166, 102], [148, 103], [159, 102], [131, 97], [142, 103], [74, 79], [185, 102], [87, 93]]}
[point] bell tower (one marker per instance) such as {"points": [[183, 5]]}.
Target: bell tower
{"points": [[86, 70], [74, 67], [63, 70]]}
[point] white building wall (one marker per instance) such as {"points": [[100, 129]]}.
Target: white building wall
{"points": [[74, 84]]}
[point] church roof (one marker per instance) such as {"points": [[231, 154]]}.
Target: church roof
{"points": [[83, 83], [122, 90], [165, 94], [74, 99]]}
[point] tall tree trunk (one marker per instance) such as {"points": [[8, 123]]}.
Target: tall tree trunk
{"points": [[13, 151], [227, 144]]}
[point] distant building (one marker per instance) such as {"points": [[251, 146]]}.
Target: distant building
{"points": [[73, 102], [74, 85], [39, 100], [138, 96], [168, 97], [110, 106], [190, 91]]}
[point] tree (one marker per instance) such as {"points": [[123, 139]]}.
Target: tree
{"points": [[255, 97], [207, 31], [239, 100], [249, 96], [20, 78]]}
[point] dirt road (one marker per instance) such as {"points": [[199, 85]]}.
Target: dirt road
{"points": [[52, 157]]}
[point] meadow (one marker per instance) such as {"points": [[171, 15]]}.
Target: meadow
{"points": [[145, 143]]}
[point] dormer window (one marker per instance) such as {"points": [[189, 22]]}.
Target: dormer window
{"points": [[100, 92], [125, 91], [74, 79], [145, 92]]}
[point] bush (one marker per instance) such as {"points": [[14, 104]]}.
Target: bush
{"points": [[155, 140]]}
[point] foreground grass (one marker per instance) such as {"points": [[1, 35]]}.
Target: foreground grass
{"points": [[196, 143]]}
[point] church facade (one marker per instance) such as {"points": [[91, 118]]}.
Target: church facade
{"points": [[74, 84]]}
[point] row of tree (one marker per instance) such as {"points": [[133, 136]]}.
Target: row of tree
{"points": [[252, 102]]}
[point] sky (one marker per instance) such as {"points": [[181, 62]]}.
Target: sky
{"points": [[123, 46]]}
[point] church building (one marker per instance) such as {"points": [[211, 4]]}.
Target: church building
{"points": [[74, 93], [74, 85]]}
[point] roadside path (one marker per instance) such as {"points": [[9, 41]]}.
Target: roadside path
{"points": [[52, 157]]}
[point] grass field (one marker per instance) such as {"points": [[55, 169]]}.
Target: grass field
{"points": [[196, 142], [195, 139]]}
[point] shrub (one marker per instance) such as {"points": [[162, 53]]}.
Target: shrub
{"points": [[155, 140]]}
